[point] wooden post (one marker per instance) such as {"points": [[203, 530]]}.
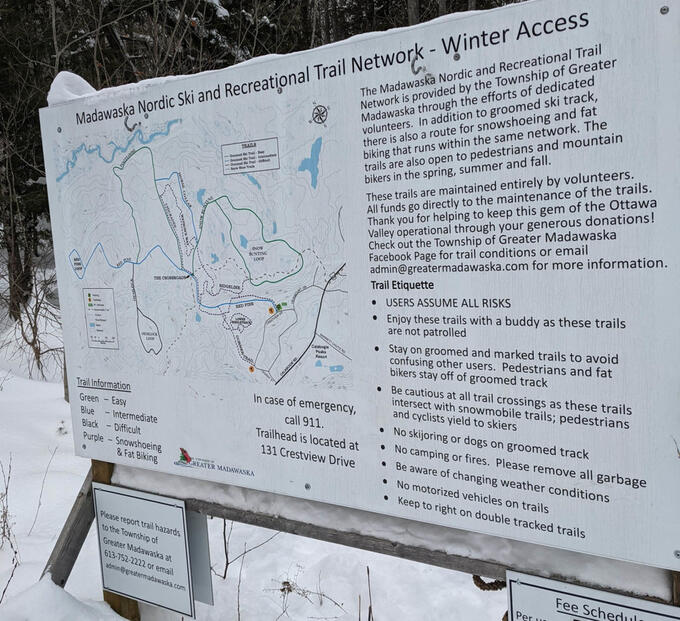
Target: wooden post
{"points": [[413, 10], [675, 576], [72, 536], [124, 606]]}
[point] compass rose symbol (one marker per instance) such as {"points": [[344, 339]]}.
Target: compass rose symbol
{"points": [[319, 114]]}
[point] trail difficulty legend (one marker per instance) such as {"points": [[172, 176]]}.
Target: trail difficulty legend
{"points": [[431, 273]]}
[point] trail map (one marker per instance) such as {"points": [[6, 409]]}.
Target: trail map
{"points": [[223, 251]]}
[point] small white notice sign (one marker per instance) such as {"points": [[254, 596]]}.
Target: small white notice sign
{"points": [[143, 547], [537, 599]]}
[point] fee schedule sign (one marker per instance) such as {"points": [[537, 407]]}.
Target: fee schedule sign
{"points": [[431, 273]]}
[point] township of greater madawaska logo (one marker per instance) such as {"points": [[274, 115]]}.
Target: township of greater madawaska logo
{"points": [[209, 464], [188, 461]]}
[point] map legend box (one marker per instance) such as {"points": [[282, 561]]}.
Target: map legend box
{"points": [[100, 318], [250, 156]]}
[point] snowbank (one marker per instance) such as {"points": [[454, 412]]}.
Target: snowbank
{"points": [[45, 600]]}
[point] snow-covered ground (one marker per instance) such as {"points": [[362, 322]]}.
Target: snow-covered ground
{"points": [[286, 577]]}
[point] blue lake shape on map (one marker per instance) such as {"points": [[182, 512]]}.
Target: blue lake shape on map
{"points": [[311, 163], [198, 318], [253, 181], [318, 363], [243, 241], [115, 148], [199, 195], [224, 239], [336, 368], [214, 257], [274, 228]]}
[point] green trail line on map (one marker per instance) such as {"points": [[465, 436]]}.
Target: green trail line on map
{"points": [[215, 201], [202, 220], [132, 209]]}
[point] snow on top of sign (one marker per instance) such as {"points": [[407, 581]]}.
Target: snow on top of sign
{"points": [[530, 558], [45, 600], [67, 86]]}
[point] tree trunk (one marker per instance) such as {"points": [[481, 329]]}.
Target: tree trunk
{"points": [[413, 8], [66, 395], [472, 5], [338, 30], [324, 22], [443, 10], [314, 18], [19, 271]]}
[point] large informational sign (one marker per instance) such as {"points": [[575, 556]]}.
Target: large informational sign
{"points": [[531, 598], [430, 273], [144, 547]]}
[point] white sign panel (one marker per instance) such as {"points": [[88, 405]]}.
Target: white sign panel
{"points": [[430, 273], [143, 547], [537, 599]]}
